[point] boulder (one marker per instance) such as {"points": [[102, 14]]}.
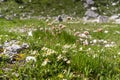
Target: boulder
{"points": [[59, 18], [103, 19], [89, 2], [117, 21], [86, 5], [115, 16], [91, 14]]}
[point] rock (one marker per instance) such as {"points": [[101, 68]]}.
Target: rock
{"points": [[115, 16], [86, 5], [89, 2], [1, 16], [3, 0], [117, 21], [59, 18], [103, 19], [25, 45], [91, 14], [9, 18], [16, 48], [13, 49]]}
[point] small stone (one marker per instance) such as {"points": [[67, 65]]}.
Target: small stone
{"points": [[89, 2], [91, 14], [15, 48], [60, 19], [25, 45], [103, 19]]}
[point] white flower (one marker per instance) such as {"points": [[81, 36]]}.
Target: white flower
{"points": [[33, 52], [88, 49], [94, 41], [93, 8], [106, 32], [81, 49], [113, 4], [68, 62], [45, 62], [44, 49], [95, 55], [119, 53], [66, 46], [47, 51], [30, 58], [30, 33], [105, 42], [59, 57], [109, 45]]}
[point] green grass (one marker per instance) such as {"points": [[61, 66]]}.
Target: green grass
{"points": [[66, 58]]}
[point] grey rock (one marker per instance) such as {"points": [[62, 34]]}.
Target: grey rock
{"points": [[91, 14], [103, 19], [59, 18], [9, 18], [117, 21], [14, 48], [25, 45], [3, 0], [86, 5], [1, 16], [115, 16], [89, 2]]}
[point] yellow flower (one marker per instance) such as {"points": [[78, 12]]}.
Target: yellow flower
{"points": [[60, 75], [18, 57]]}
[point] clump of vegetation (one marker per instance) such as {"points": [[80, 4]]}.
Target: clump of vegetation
{"points": [[67, 51]]}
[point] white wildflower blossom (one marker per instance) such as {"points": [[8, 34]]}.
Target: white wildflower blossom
{"points": [[105, 42], [80, 48], [68, 62], [47, 51], [44, 49], [65, 59], [59, 57], [106, 31], [113, 4], [30, 33], [94, 41], [58, 44], [88, 49], [45, 62], [119, 53], [73, 46], [30, 58], [33, 52], [66, 46], [95, 55], [109, 45], [64, 51]]}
